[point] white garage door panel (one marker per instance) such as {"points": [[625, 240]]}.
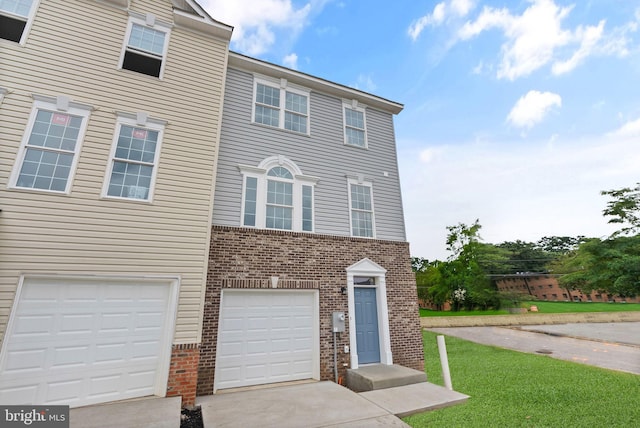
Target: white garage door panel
{"points": [[266, 337], [81, 342]]}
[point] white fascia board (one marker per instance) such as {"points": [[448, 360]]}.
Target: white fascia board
{"points": [[253, 65], [202, 25]]}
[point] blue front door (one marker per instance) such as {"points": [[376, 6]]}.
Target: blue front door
{"points": [[367, 340]]}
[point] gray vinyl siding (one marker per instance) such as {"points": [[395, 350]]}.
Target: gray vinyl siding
{"points": [[73, 49], [322, 154]]}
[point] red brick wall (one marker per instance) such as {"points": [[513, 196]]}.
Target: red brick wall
{"points": [[183, 373], [546, 287], [241, 257]]}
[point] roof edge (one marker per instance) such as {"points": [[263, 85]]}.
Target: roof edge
{"points": [[243, 62]]}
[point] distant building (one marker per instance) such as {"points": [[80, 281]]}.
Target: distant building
{"points": [[546, 287]]}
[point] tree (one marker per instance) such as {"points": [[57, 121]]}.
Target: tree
{"points": [[624, 208], [609, 266], [419, 264], [559, 245], [526, 256], [463, 272]]}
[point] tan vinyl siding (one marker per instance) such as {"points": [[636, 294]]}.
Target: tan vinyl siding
{"points": [[73, 49]]}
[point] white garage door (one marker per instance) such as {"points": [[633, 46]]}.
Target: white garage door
{"points": [[266, 337], [81, 342]]}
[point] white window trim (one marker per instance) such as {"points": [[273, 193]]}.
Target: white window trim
{"points": [[260, 174], [60, 104], [366, 267], [360, 181], [354, 105], [284, 86], [148, 20], [139, 120], [29, 22]]}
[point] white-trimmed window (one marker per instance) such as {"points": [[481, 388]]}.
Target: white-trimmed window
{"points": [[276, 195], [279, 105], [134, 157], [50, 146], [361, 208], [145, 45], [16, 17], [355, 128]]}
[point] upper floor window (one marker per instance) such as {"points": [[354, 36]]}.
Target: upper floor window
{"points": [[16, 17], [277, 196], [134, 158], [355, 133], [361, 208], [281, 106], [145, 47], [50, 146]]}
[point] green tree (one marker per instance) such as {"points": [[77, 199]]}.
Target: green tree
{"points": [[608, 266], [624, 208], [464, 271], [526, 257]]}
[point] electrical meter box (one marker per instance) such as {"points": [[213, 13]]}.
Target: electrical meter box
{"points": [[338, 322]]}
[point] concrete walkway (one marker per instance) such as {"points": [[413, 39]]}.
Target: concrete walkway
{"points": [[322, 404], [609, 353], [152, 412]]}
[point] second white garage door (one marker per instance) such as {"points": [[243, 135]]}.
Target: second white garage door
{"points": [[267, 336]]}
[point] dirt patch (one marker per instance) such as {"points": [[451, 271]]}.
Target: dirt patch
{"points": [[191, 418]]}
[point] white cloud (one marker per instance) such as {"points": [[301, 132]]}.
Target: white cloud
{"points": [[532, 107], [588, 37], [291, 61], [441, 11], [365, 83], [531, 37], [517, 191], [256, 22], [537, 38], [628, 130]]}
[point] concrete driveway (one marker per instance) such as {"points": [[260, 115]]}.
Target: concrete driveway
{"points": [[322, 404], [614, 346]]}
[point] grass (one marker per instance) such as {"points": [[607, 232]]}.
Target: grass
{"points": [[545, 308], [513, 389]]}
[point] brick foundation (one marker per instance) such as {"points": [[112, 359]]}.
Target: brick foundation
{"points": [[183, 373], [246, 258]]}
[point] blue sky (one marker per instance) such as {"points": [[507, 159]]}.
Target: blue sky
{"points": [[517, 113]]}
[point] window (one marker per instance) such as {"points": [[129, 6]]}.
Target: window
{"points": [[354, 125], [361, 207], [281, 106], [277, 196], [134, 158], [16, 17], [50, 146], [145, 48]]}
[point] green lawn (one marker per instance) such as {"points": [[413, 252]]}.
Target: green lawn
{"points": [[545, 308], [514, 389]]}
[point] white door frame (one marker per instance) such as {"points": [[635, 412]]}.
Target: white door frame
{"points": [[366, 267]]}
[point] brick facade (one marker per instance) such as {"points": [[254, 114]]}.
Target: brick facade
{"points": [[247, 258], [183, 373], [546, 287]]}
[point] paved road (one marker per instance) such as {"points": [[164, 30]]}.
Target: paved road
{"points": [[613, 346]]}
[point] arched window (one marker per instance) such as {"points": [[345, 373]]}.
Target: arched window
{"points": [[276, 195]]}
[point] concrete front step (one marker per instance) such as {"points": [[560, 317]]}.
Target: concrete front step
{"points": [[415, 398], [381, 376]]}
